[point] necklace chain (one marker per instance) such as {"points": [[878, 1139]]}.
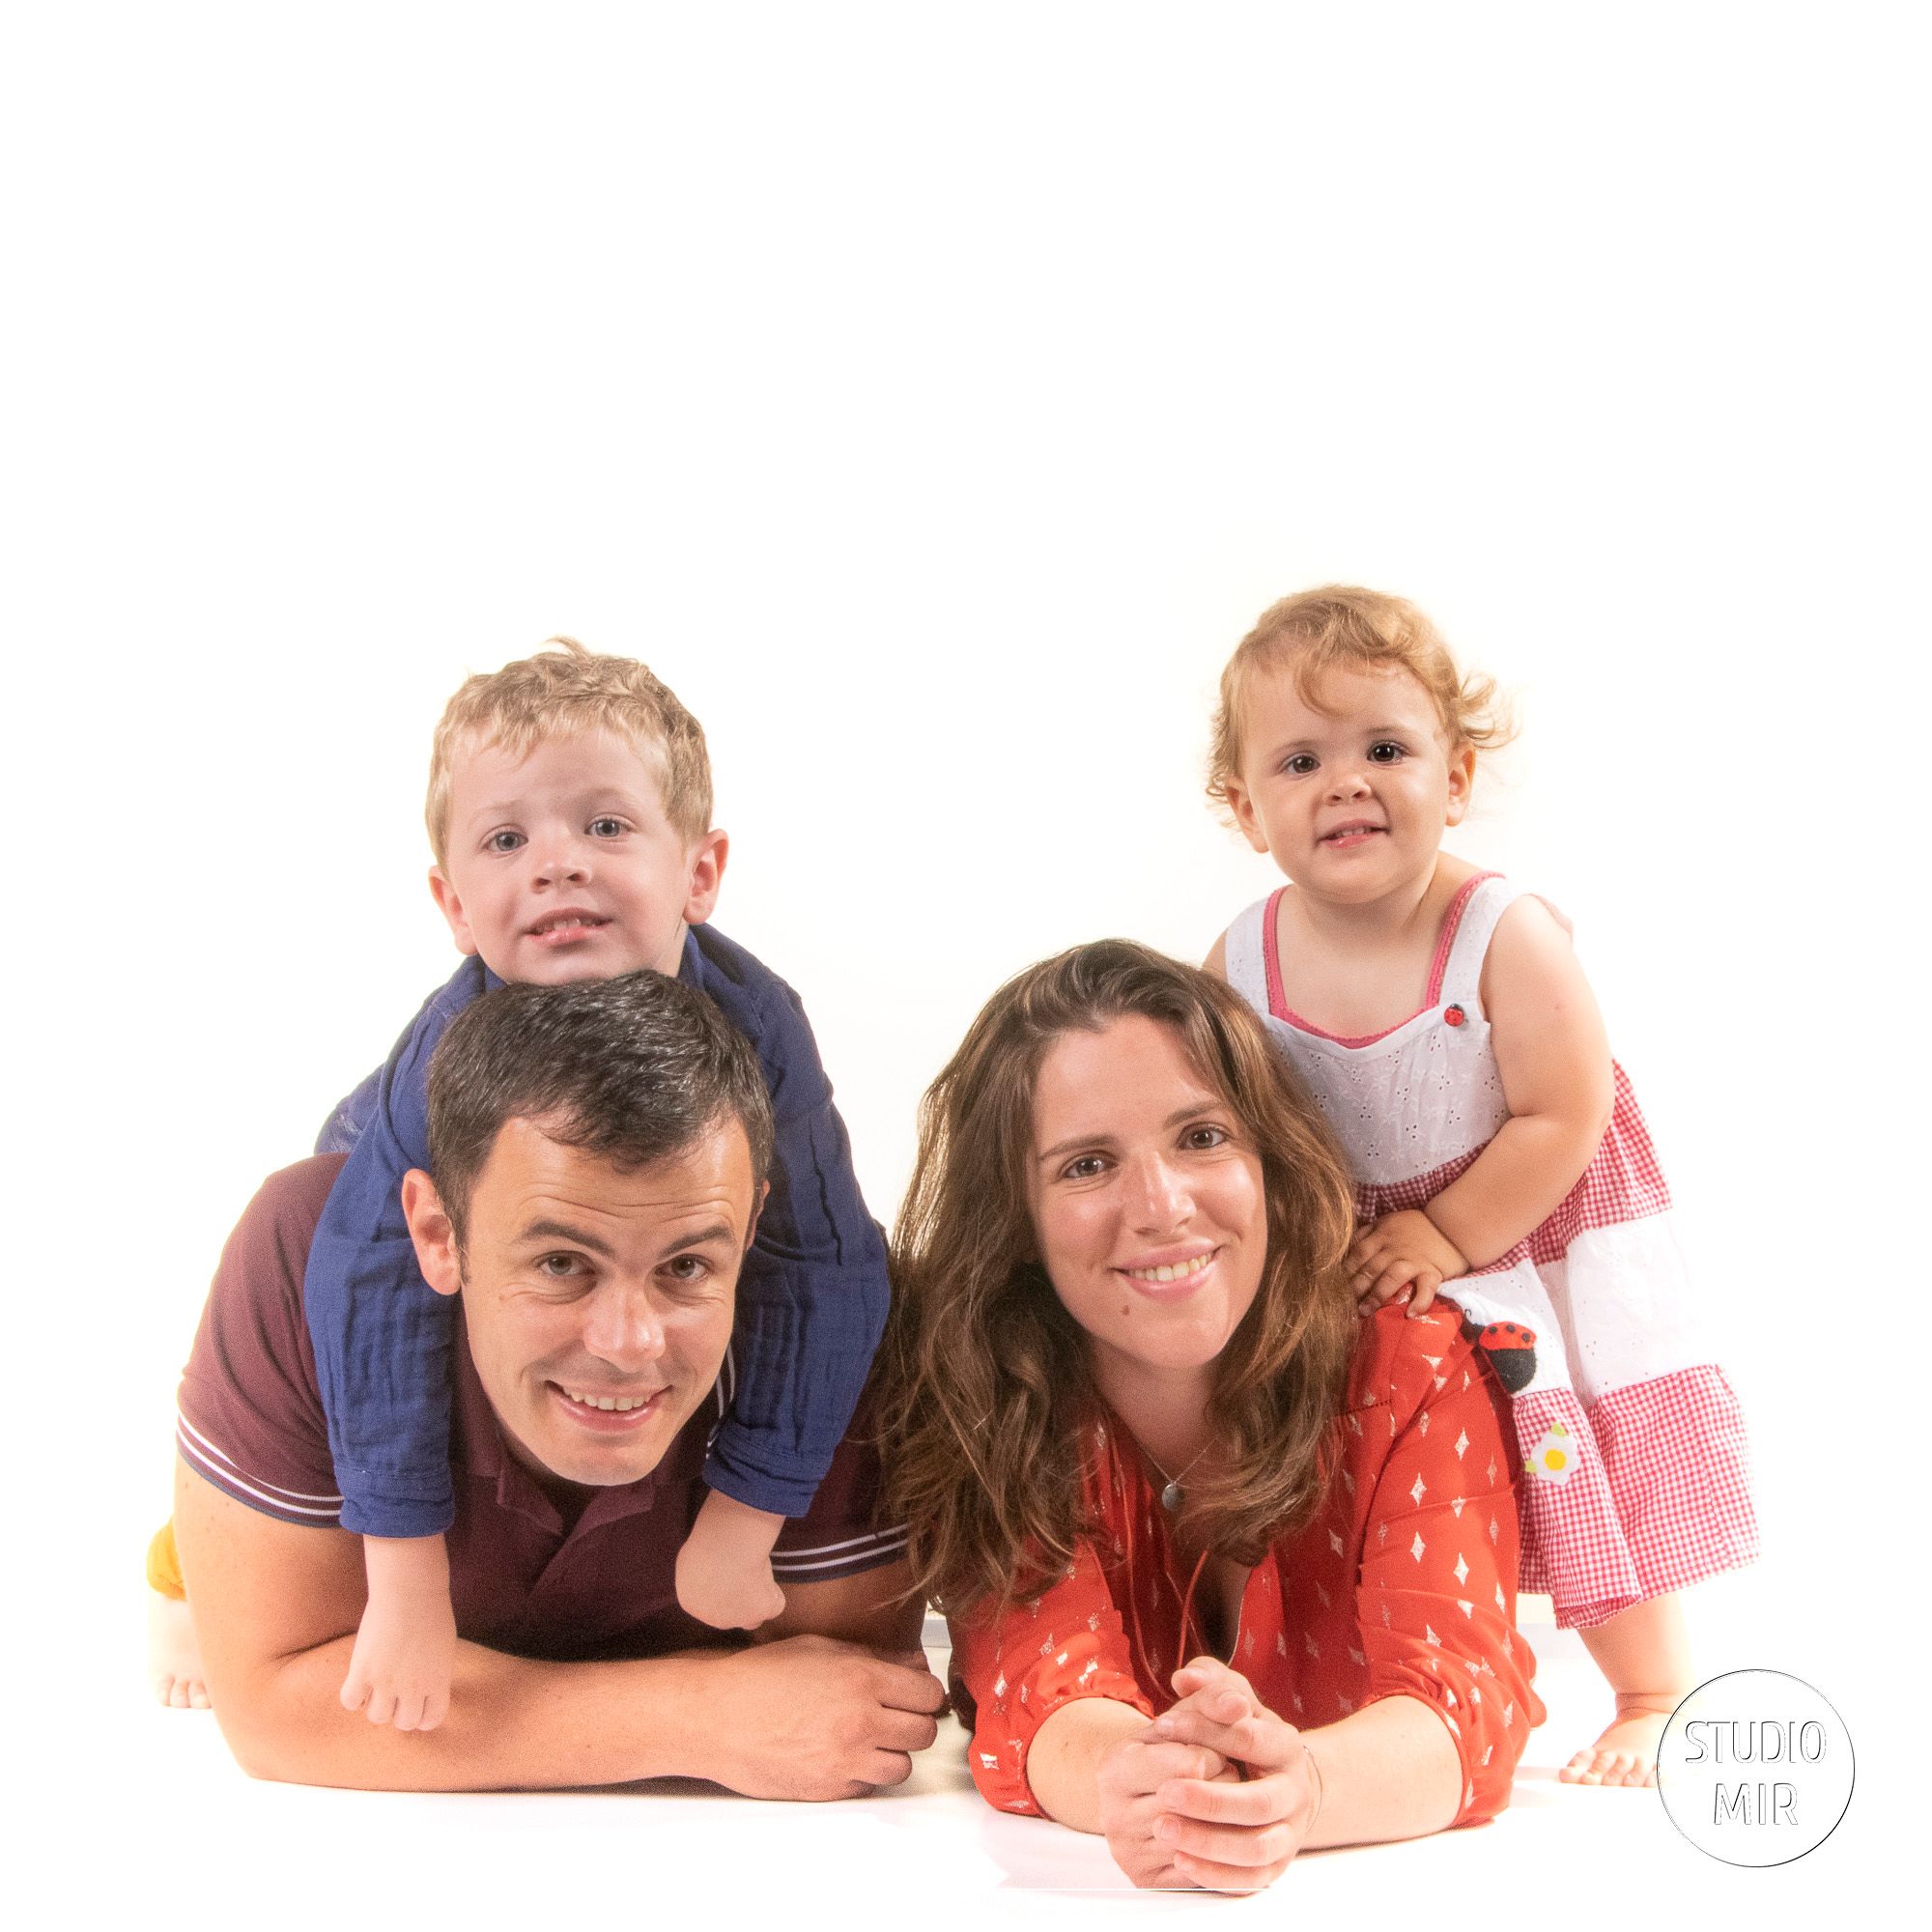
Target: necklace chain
{"points": [[1171, 1494]]}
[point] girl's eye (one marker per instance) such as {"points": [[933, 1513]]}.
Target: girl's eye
{"points": [[1085, 1168], [1197, 1140], [503, 841], [1300, 765], [1387, 752], [606, 827]]}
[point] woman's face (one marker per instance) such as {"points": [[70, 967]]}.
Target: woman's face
{"points": [[1147, 1201]]}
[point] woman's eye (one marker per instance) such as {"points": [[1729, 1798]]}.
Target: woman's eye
{"points": [[1387, 752], [503, 841], [1199, 1139], [1086, 1168], [606, 827], [1300, 765]]}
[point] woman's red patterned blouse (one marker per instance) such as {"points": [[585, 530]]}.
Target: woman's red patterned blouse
{"points": [[1403, 1586]]}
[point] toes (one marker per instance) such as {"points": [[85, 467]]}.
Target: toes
{"points": [[197, 1697]]}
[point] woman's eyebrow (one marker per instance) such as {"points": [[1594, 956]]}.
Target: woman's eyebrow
{"points": [[1202, 1103]]}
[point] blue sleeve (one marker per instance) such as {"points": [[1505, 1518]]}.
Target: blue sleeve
{"points": [[350, 1116], [382, 1337], [812, 1294]]}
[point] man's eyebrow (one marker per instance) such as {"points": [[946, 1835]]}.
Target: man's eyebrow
{"points": [[700, 1237], [1202, 1103], [562, 1230]]}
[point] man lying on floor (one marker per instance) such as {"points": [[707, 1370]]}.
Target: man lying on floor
{"points": [[599, 1154]]}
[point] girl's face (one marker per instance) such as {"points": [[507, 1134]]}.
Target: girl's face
{"points": [[1148, 1202], [1349, 796]]}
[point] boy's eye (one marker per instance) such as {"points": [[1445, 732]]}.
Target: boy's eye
{"points": [[1300, 765], [606, 827], [1387, 752], [503, 841]]}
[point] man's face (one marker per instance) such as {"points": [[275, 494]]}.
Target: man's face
{"points": [[598, 1302]]}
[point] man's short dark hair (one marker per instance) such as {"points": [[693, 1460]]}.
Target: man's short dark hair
{"points": [[631, 1070]]}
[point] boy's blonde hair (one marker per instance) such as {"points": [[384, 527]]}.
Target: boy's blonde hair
{"points": [[566, 690], [1316, 631]]}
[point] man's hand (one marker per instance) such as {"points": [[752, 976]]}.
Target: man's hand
{"points": [[1233, 1837], [1402, 1250], [1130, 1780], [814, 1718]]}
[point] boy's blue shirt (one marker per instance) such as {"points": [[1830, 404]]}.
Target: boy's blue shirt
{"points": [[812, 1295]]}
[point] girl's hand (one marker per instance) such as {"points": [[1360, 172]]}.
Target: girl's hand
{"points": [[1225, 1836], [1129, 1776], [1403, 1250]]}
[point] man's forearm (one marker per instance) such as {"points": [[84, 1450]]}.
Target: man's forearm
{"points": [[808, 1716], [512, 1721]]}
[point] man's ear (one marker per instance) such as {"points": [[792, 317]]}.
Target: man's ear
{"points": [[707, 874], [1246, 820], [432, 1231], [1462, 783], [451, 908]]}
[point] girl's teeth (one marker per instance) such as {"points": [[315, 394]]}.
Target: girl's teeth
{"points": [[621, 1403]]}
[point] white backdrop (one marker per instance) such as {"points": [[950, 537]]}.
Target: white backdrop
{"points": [[933, 396]]}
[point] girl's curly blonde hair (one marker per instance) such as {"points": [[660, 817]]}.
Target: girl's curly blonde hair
{"points": [[1316, 631]]}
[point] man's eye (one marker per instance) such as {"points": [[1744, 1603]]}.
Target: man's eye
{"points": [[1387, 752], [688, 1271], [503, 841], [560, 1267], [606, 827], [1299, 765]]}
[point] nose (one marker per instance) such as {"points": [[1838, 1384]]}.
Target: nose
{"points": [[561, 860], [1347, 780], [622, 1325], [1157, 1200]]}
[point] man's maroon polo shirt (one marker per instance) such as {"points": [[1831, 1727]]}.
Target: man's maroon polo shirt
{"points": [[251, 1422]]}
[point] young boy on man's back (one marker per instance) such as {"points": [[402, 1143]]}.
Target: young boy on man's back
{"points": [[569, 814]]}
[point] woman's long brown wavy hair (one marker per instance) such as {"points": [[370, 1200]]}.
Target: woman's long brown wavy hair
{"points": [[985, 1377]]}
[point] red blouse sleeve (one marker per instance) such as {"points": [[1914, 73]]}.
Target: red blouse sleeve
{"points": [[1022, 1665], [1437, 1597]]}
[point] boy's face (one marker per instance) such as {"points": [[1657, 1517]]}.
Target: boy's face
{"points": [[562, 866]]}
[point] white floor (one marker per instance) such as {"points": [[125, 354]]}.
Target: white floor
{"points": [[161, 1828]]}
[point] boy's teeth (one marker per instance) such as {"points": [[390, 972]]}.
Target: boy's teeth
{"points": [[1194, 1267]]}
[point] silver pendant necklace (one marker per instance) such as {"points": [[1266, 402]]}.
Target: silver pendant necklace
{"points": [[1171, 1494]]}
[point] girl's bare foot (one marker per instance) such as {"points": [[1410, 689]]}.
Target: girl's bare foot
{"points": [[1627, 1751], [174, 1654]]}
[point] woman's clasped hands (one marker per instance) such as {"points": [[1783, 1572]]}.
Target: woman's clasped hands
{"points": [[1216, 1793]]}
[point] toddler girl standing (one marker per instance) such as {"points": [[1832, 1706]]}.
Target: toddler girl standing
{"points": [[1442, 1023]]}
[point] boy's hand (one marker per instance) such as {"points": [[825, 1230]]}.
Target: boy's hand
{"points": [[1403, 1250], [405, 1646]]}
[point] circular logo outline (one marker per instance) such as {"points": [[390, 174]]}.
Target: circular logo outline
{"points": [[1757, 1670]]}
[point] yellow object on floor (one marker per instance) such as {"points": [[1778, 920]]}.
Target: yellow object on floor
{"points": [[165, 1572]]}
